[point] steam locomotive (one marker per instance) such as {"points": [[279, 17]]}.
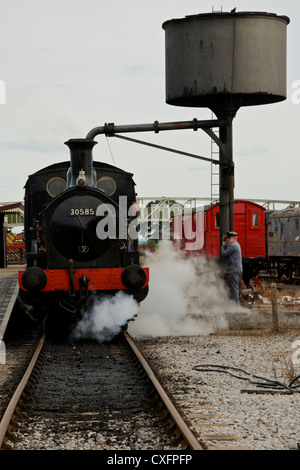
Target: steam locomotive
{"points": [[80, 236], [270, 240]]}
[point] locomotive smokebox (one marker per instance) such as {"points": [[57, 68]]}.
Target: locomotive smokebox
{"points": [[81, 172], [226, 60]]}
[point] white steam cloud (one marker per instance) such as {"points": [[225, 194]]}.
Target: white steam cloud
{"points": [[187, 296], [105, 317]]}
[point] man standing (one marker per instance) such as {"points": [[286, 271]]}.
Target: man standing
{"points": [[231, 250]]}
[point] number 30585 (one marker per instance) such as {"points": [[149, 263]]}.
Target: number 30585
{"points": [[82, 211]]}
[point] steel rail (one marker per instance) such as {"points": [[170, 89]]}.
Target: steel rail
{"points": [[188, 436], [6, 419]]}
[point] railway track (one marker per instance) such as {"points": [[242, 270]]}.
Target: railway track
{"points": [[14, 408], [93, 396], [20, 344], [283, 281]]}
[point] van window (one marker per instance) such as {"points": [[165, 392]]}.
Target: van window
{"points": [[254, 219], [297, 230], [282, 231], [276, 229], [217, 220]]}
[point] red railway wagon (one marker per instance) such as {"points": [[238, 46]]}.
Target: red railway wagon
{"points": [[198, 233]]}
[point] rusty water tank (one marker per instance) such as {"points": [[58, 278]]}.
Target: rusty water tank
{"points": [[217, 60]]}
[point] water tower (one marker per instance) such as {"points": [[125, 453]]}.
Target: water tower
{"points": [[223, 61]]}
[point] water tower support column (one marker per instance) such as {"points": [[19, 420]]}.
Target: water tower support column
{"points": [[226, 181]]}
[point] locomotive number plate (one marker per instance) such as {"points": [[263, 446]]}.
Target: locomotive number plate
{"points": [[82, 211]]}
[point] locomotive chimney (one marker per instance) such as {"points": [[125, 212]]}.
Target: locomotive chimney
{"points": [[81, 172]]}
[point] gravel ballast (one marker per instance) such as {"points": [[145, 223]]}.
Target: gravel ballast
{"points": [[239, 409]]}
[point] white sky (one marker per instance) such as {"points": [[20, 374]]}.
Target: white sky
{"points": [[71, 65]]}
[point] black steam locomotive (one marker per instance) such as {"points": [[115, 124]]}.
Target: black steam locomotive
{"points": [[80, 236]]}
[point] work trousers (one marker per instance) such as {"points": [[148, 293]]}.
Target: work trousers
{"points": [[233, 281]]}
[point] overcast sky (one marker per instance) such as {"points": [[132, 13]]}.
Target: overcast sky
{"points": [[70, 65]]}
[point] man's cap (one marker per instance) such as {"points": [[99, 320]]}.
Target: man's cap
{"points": [[231, 234]]}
